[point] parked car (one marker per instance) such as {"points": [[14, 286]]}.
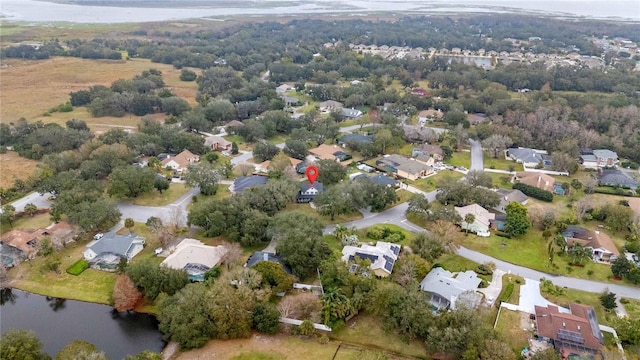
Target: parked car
{"points": [[98, 236]]}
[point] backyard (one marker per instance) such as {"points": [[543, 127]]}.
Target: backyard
{"points": [[428, 184]]}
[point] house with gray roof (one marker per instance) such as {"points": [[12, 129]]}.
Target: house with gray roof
{"points": [[527, 157], [447, 289], [243, 183], [290, 100], [351, 113], [106, 252], [507, 196], [260, 256], [599, 158], [615, 177], [330, 105], [353, 139], [309, 191], [382, 256]]}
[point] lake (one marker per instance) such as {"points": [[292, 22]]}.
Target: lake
{"points": [[135, 11], [57, 322]]}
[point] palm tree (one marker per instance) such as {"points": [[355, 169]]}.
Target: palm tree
{"points": [[469, 219], [580, 253], [335, 305]]}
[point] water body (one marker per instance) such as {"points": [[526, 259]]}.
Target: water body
{"points": [[134, 11], [483, 62], [57, 322]]}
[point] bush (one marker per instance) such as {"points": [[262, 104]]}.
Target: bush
{"points": [[187, 75], [534, 192], [78, 267], [507, 292]]}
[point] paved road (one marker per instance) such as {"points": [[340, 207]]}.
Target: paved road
{"points": [[477, 161], [34, 198]]}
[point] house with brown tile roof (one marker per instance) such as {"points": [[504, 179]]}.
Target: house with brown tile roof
{"points": [[181, 161], [577, 332], [28, 240], [216, 142], [433, 151], [600, 243], [264, 166], [536, 179], [325, 152]]}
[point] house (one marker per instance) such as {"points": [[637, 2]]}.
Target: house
{"points": [[259, 256], [419, 92], [27, 241], [243, 183], [539, 180], [476, 118], [380, 179], [447, 289], [595, 159], [181, 161], [429, 115], [600, 243], [264, 166], [351, 113], [290, 100], [615, 177], [355, 139], [325, 152], [433, 151], [105, 253], [284, 88], [404, 167], [330, 105], [232, 126], [482, 219], [525, 156], [577, 332], [216, 142], [507, 196], [342, 156], [425, 159], [382, 256], [309, 191], [195, 258]]}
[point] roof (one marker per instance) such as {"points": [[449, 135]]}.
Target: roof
{"points": [[443, 282], [403, 163], [184, 159], [115, 244], [537, 179], [431, 113], [342, 156], [593, 239], [330, 104], [355, 138], [617, 177], [325, 152], [245, 182], [215, 139], [382, 256], [580, 328], [191, 252], [605, 154], [260, 256], [526, 155], [290, 99], [351, 113], [234, 123], [21, 239], [507, 196], [306, 185], [430, 149], [482, 215]]}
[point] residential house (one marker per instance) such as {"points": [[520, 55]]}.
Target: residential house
{"points": [[232, 126], [425, 159], [330, 105], [433, 151], [105, 253], [243, 183], [419, 92], [195, 258], [482, 219], [448, 289], [380, 179], [382, 256], [259, 256], [577, 332], [355, 139], [476, 118], [404, 167], [309, 191], [326, 152], [507, 196], [264, 166], [429, 115], [595, 159], [600, 243], [539, 180], [181, 161], [351, 113], [527, 157], [26, 242], [284, 88], [615, 177], [216, 142], [290, 100]]}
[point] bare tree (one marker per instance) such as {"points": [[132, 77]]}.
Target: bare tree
{"points": [[245, 169], [496, 143], [233, 257], [301, 306]]}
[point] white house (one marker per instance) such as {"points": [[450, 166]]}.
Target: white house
{"points": [[382, 256], [481, 222], [447, 289], [195, 258], [126, 246]]}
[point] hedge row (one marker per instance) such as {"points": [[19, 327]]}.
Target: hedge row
{"points": [[507, 292], [78, 267], [534, 192]]}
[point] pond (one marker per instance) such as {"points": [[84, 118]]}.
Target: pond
{"points": [[57, 322], [483, 62]]}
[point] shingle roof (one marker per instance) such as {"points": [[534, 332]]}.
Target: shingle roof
{"points": [[605, 154], [442, 282], [525, 155], [382, 256], [260, 256], [115, 244], [355, 138], [245, 182], [617, 177]]}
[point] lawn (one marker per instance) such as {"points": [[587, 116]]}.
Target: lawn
{"points": [[367, 331], [326, 220], [501, 164], [28, 222], [460, 158], [496, 180], [531, 252], [429, 184], [153, 198], [632, 307], [13, 166], [456, 263], [510, 328], [517, 281]]}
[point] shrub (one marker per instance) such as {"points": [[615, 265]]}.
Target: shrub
{"points": [[78, 267], [507, 292], [187, 75], [534, 192], [324, 339]]}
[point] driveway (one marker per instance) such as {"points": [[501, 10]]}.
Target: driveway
{"points": [[477, 160], [492, 291], [530, 297], [34, 198]]}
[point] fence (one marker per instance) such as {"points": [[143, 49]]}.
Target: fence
{"points": [[290, 321]]}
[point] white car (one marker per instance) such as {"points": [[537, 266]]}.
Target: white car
{"points": [[98, 236]]}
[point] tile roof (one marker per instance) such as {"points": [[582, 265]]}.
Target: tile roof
{"points": [[325, 152], [578, 329], [184, 159], [191, 252]]}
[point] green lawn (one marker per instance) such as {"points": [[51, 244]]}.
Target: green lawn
{"points": [[633, 308], [511, 330], [28, 222], [326, 220], [455, 263], [168, 196], [242, 145], [501, 164], [460, 158], [496, 180], [429, 184]]}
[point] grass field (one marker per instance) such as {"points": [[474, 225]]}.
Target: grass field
{"points": [[510, 328], [460, 158], [429, 184], [501, 164], [13, 167], [28, 222], [55, 78], [154, 198]]}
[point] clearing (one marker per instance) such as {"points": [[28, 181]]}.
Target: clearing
{"points": [[13, 167]]}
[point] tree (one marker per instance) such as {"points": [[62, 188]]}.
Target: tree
{"points": [[335, 306], [129, 223], [330, 172], [546, 354], [580, 253], [100, 214], [265, 151], [296, 149], [184, 317], [496, 144], [234, 148], [382, 139], [125, 294], [418, 203], [161, 184], [187, 75], [145, 355], [517, 222], [130, 181], [628, 330], [563, 162], [80, 350], [204, 177], [620, 267], [153, 280], [608, 300], [479, 178], [30, 209], [469, 219], [274, 276], [8, 214], [333, 201], [20, 345], [266, 318]]}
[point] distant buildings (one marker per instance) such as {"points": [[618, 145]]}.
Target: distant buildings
{"points": [[599, 158]]}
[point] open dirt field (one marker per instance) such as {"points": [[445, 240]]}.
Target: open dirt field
{"points": [[31, 87], [14, 167]]}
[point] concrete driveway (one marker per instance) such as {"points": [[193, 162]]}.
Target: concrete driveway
{"points": [[492, 291], [530, 297]]}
